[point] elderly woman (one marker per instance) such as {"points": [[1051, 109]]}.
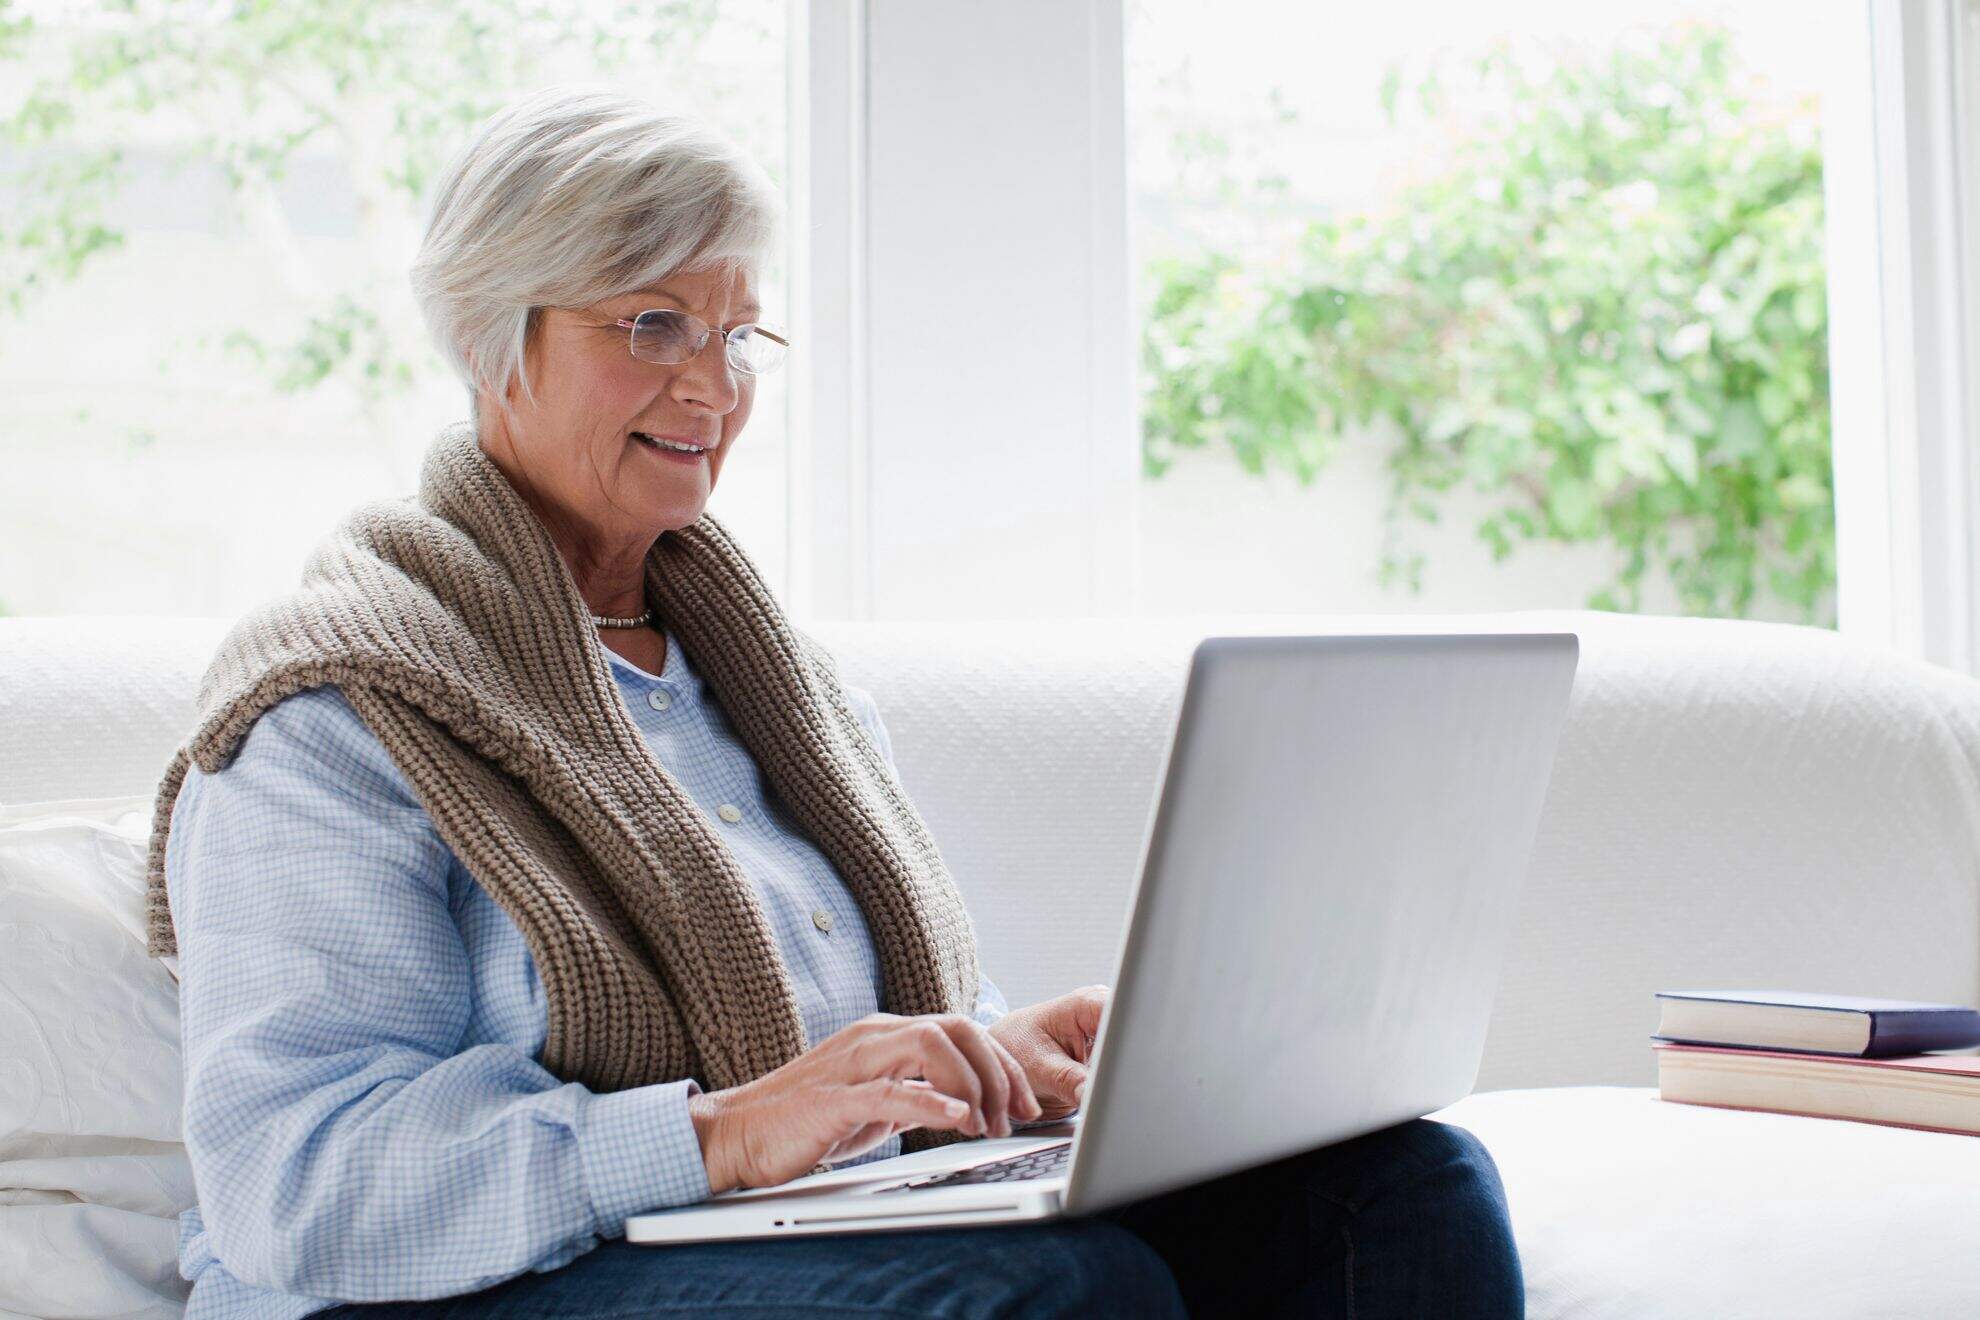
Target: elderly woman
{"points": [[528, 869]]}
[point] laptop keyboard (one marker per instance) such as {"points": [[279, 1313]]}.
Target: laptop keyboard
{"points": [[1015, 1168]]}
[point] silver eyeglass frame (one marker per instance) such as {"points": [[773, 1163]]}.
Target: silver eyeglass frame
{"points": [[728, 341]]}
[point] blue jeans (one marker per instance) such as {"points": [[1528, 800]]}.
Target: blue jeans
{"points": [[1407, 1221]]}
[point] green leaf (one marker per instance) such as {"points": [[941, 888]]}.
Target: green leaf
{"points": [[1603, 314]]}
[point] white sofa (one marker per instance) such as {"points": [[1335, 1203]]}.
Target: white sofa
{"points": [[1733, 804]]}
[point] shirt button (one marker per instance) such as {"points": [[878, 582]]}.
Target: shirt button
{"points": [[658, 699], [730, 812], [822, 919]]}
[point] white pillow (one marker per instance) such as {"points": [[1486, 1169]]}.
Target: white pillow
{"points": [[93, 1172]]}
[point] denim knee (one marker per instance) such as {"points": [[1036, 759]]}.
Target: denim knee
{"points": [[1455, 1203], [1434, 1145], [1375, 1164]]}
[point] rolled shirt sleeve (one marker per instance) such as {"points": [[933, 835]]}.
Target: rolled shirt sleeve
{"points": [[346, 1141]]}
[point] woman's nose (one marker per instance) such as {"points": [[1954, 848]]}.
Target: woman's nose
{"points": [[707, 379]]}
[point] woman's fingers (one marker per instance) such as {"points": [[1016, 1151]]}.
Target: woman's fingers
{"points": [[1070, 1080], [909, 1103], [1079, 1024], [918, 1046], [955, 1054], [1024, 1101], [975, 1043]]}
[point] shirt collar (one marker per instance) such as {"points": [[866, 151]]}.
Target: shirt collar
{"points": [[676, 675]]}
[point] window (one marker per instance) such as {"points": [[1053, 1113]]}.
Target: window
{"points": [[1459, 307], [208, 349], [1250, 306]]}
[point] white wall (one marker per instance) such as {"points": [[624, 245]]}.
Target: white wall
{"points": [[1214, 537]]}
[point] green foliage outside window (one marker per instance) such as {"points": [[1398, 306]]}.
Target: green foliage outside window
{"points": [[388, 88], [1607, 313]]}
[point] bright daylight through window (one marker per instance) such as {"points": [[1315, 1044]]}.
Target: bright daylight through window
{"points": [[208, 347], [1448, 306]]}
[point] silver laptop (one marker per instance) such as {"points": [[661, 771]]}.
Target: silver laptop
{"points": [[1328, 884]]}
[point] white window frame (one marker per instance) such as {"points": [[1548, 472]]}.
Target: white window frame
{"points": [[885, 237], [963, 414], [1899, 165]]}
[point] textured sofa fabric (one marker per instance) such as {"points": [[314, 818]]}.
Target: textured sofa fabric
{"points": [[1625, 1206], [1733, 803]]}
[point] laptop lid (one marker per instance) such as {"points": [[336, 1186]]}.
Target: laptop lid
{"points": [[1328, 884]]}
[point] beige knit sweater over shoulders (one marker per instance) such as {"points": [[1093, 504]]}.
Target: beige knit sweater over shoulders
{"points": [[455, 630]]}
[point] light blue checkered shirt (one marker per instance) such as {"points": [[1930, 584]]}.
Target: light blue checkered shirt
{"points": [[365, 1114]]}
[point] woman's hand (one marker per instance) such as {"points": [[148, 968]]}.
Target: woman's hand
{"points": [[1053, 1042], [882, 1075]]}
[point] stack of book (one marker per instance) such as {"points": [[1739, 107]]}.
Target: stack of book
{"points": [[1828, 1056]]}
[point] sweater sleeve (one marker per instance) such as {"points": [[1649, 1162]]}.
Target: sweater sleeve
{"points": [[990, 1003], [346, 1142]]}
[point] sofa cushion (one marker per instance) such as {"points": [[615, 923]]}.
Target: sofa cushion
{"points": [[1733, 803], [1630, 1208], [93, 1173]]}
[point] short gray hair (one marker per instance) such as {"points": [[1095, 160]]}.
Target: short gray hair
{"points": [[568, 196]]}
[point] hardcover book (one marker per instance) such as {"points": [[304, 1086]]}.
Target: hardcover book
{"points": [[1814, 1023], [1936, 1092]]}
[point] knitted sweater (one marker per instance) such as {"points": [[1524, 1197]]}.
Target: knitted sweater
{"points": [[452, 625]]}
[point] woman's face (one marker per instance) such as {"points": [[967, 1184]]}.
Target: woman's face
{"points": [[576, 448]]}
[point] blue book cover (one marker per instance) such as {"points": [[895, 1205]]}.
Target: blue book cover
{"points": [[1853, 1025]]}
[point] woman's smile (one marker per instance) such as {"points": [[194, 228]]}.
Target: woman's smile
{"points": [[679, 451]]}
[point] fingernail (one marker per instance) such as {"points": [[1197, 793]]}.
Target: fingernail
{"points": [[954, 1108]]}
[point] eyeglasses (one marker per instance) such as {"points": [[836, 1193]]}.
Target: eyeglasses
{"points": [[664, 335]]}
